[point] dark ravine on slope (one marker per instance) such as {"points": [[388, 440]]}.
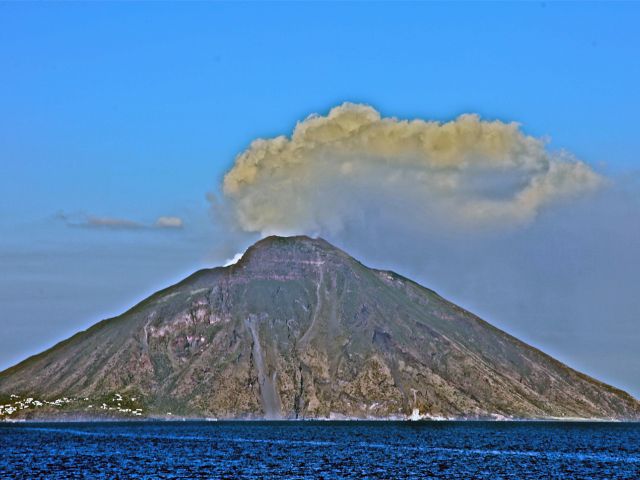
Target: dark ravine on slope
{"points": [[299, 329]]}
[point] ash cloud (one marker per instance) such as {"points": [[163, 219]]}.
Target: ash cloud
{"points": [[467, 172]]}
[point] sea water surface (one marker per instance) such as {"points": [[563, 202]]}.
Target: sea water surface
{"points": [[323, 450]]}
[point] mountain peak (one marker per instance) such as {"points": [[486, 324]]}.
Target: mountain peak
{"points": [[294, 241], [290, 250]]}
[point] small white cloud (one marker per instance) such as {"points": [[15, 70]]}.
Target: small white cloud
{"points": [[169, 222], [111, 222], [114, 223]]}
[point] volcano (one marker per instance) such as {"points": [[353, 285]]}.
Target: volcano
{"points": [[298, 329]]}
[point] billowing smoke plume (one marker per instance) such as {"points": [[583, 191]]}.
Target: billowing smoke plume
{"points": [[335, 169]]}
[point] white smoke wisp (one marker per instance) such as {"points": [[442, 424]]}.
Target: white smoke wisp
{"points": [[232, 261], [353, 163]]}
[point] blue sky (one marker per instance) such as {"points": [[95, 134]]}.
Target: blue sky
{"points": [[103, 103], [136, 110]]}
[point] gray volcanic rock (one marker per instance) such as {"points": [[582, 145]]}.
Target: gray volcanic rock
{"points": [[299, 329]]}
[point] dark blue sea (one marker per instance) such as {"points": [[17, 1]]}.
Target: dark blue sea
{"points": [[322, 450]]}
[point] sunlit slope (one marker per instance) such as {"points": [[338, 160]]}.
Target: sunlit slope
{"points": [[299, 329]]}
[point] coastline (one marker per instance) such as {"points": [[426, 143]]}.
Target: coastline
{"points": [[398, 420]]}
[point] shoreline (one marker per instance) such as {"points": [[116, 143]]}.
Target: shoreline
{"points": [[408, 421]]}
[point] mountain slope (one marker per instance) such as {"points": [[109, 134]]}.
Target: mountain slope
{"points": [[299, 329]]}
